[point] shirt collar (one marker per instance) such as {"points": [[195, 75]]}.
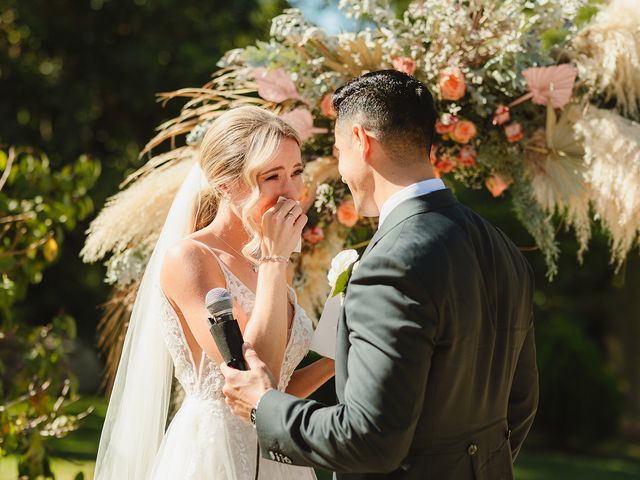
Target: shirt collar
{"points": [[414, 190]]}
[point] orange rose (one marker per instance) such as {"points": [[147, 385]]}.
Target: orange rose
{"points": [[326, 107], [514, 132], [497, 184], [463, 131], [467, 156], [404, 64], [304, 196], [452, 84], [446, 123], [313, 235], [347, 214]]}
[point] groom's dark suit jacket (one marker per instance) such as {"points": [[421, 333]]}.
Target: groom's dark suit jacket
{"points": [[435, 364]]}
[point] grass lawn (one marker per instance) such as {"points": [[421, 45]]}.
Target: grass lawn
{"points": [[552, 465], [558, 466], [62, 469]]}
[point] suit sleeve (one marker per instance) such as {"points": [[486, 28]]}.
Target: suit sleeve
{"points": [[523, 398], [391, 336]]}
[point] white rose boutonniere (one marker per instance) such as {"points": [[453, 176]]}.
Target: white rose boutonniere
{"points": [[342, 265]]}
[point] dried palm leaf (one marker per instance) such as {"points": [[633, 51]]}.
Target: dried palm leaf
{"points": [[352, 56], [554, 162], [607, 55], [612, 155], [169, 133], [112, 329], [118, 226], [230, 87], [164, 160]]}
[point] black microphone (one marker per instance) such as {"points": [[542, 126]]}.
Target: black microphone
{"points": [[224, 328]]}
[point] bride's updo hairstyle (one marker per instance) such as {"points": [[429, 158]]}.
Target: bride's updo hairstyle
{"points": [[234, 149]]}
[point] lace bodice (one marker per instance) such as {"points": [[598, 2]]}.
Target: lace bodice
{"points": [[204, 379]]}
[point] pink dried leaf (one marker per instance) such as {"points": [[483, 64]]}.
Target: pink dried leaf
{"points": [[553, 83], [302, 121], [276, 85]]}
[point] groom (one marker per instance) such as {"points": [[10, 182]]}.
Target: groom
{"points": [[435, 363]]}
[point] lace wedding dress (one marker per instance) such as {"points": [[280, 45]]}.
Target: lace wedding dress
{"points": [[204, 440]]}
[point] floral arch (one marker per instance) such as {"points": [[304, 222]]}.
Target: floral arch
{"points": [[538, 99]]}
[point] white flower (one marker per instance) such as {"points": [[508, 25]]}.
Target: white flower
{"points": [[324, 197], [340, 264]]}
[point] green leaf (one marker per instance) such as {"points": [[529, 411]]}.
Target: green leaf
{"points": [[585, 14], [552, 37], [342, 281], [66, 325]]}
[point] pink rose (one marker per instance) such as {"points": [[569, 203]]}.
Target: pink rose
{"points": [[326, 107], [452, 84], [313, 235], [463, 131], [446, 123], [497, 184], [467, 156], [404, 64], [514, 132], [347, 214], [502, 115]]}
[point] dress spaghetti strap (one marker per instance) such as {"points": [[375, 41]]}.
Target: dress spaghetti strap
{"points": [[225, 270]]}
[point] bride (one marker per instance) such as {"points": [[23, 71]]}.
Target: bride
{"points": [[233, 224]]}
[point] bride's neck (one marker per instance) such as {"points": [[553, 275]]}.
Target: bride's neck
{"points": [[228, 226]]}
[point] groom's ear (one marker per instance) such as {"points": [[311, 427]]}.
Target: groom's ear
{"points": [[362, 140]]}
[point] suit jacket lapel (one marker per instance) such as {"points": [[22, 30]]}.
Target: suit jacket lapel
{"points": [[408, 208], [342, 349]]}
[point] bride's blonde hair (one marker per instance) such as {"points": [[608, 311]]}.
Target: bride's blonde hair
{"points": [[236, 146]]}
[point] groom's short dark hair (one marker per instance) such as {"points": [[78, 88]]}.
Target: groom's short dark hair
{"points": [[395, 106]]}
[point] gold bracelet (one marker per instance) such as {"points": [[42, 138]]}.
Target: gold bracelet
{"points": [[273, 258]]}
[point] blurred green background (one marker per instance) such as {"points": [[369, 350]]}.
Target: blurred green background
{"points": [[78, 80]]}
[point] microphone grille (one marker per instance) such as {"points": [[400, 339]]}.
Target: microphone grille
{"points": [[218, 300]]}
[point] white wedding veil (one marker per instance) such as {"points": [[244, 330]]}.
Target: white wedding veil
{"points": [[138, 407]]}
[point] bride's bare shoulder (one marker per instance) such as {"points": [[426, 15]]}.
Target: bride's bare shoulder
{"points": [[186, 250], [187, 262]]}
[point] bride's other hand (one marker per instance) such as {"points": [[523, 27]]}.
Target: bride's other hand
{"points": [[282, 227], [307, 380]]}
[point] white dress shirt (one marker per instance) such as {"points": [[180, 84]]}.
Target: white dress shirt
{"points": [[414, 190]]}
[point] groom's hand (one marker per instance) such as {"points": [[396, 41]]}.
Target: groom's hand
{"points": [[243, 389]]}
